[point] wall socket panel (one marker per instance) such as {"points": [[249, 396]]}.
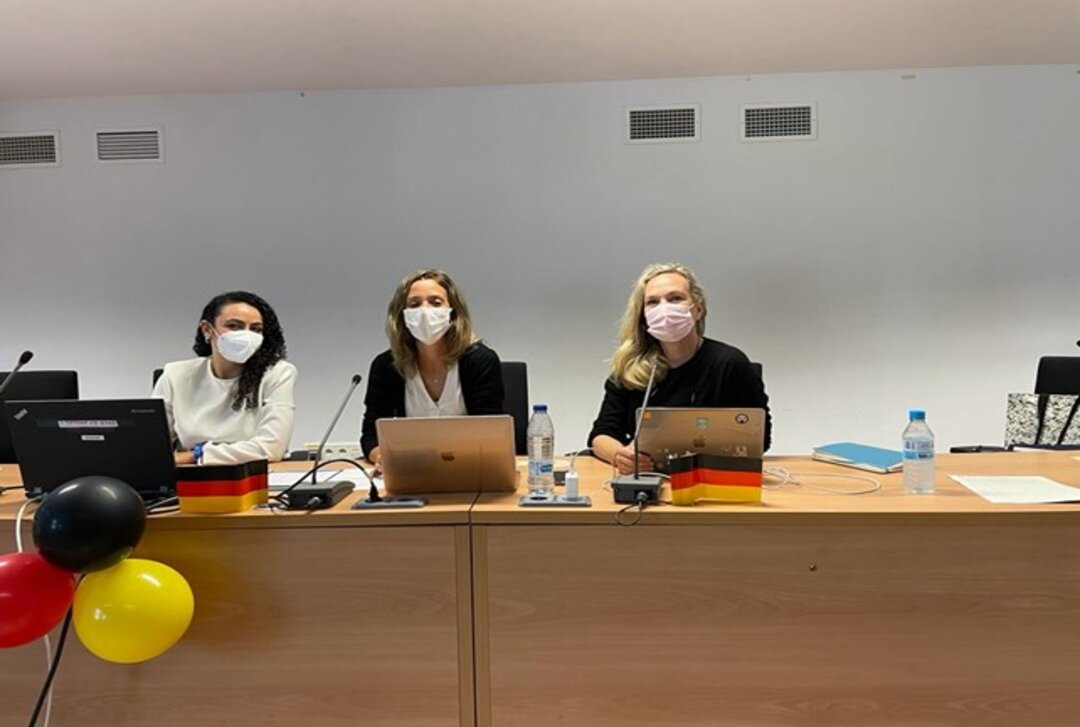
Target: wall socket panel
{"points": [[350, 450]]}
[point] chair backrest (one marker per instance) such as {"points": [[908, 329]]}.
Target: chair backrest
{"points": [[33, 385], [156, 376], [1058, 375], [516, 400]]}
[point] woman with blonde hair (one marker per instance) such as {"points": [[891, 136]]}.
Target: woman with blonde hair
{"points": [[436, 365], [664, 327]]}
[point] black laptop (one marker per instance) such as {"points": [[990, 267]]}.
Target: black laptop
{"points": [[128, 439], [34, 385]]}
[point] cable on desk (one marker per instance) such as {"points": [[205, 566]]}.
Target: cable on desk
{"points": [[373, 491], [164, 505], [789, 478]]}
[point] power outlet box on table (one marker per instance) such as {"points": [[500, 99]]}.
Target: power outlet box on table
{"points": [[351, 450]]}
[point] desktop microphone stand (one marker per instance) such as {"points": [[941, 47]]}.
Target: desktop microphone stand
{"points": [[638, 488]]}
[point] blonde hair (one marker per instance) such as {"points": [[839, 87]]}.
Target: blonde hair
{"points": [[458, 338], [632, 361]]}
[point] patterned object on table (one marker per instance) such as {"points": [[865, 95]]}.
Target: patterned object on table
{"points": [[1042, 420]]}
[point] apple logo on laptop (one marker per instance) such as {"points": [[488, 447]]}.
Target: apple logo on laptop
{"points": [[447, 456]]}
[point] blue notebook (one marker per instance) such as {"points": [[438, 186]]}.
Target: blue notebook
{"points": [[861, 456]]}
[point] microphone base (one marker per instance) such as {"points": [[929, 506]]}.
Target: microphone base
{"points": [[626, 489], [317, 496]]}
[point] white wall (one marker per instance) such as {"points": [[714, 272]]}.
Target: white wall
{"points": [[923, 251]]}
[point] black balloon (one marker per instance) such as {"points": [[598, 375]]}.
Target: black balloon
{"points": [[89, 524]]}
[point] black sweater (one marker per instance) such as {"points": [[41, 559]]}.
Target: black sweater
{"points": [[718, 375], [479, 371]]}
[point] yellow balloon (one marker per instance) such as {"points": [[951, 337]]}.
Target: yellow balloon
{"points": [[132, 612]]}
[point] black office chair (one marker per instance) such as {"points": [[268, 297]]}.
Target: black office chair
{"points": [[29, 385], [1058, 375], [516, 400]]}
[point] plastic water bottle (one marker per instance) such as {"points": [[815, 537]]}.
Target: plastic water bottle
{"points": [[541, 436], [918, 454]]}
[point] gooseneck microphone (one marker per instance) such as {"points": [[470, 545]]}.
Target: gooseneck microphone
{"points": [[24, 359], [637, 488], [356, 379], [315, 495], [641, 415]]}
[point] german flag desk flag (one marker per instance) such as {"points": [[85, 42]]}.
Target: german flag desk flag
{"points": [[222, 488], [715, 478]]}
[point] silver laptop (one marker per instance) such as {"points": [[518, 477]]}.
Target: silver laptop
{"points": [[427, 455], [673, 431]]}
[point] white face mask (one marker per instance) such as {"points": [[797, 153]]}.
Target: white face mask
{"points": [[669, 322], [427, 324], [238, 346]]}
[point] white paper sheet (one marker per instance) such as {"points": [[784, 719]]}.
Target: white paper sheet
{"points": [[1022, 490]]}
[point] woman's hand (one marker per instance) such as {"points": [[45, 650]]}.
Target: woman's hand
{"points": [[375, 459], [624, 461]]}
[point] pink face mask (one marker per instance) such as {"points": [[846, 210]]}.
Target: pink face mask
{"points": [[669, 322]]}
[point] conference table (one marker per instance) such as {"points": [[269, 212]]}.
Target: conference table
{"points": [[333, 617], [810, 608], [807, 609]]}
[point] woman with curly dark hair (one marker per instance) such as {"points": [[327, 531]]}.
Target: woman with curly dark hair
{"points": [[235, 402]]}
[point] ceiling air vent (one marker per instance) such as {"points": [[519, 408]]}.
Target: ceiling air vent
{"points": [[40, 149], [779, 122], [139, 145], [651, 124]]}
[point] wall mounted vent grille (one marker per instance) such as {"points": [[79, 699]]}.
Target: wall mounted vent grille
{"points": [[776, 122], [30, 150], [141, 145], [652, 124]]}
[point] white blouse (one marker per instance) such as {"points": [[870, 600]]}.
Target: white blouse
{"points": [[418, 402], [199, 408]]}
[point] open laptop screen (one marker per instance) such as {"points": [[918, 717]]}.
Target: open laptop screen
{"points": [[673, 431], [128, 439]]}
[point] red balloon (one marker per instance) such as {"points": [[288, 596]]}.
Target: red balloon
{"points": [[34, 596]]}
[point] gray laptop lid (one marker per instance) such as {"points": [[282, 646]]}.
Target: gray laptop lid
{"points": [[427, 455], [673, 431]]}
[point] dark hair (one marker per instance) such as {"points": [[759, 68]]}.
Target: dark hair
{"points": [[271, 351]]}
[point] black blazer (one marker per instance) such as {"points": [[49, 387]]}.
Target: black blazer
{"points": [[479, 370]]}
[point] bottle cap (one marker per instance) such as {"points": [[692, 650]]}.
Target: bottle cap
{"points": [[916, 414], [539, 407]]}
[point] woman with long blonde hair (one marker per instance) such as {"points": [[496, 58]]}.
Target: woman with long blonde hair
{"points": [[436, 364], [664, 329]]}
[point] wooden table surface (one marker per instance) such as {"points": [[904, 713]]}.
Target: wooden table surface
{"points": [[797, 502]]}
